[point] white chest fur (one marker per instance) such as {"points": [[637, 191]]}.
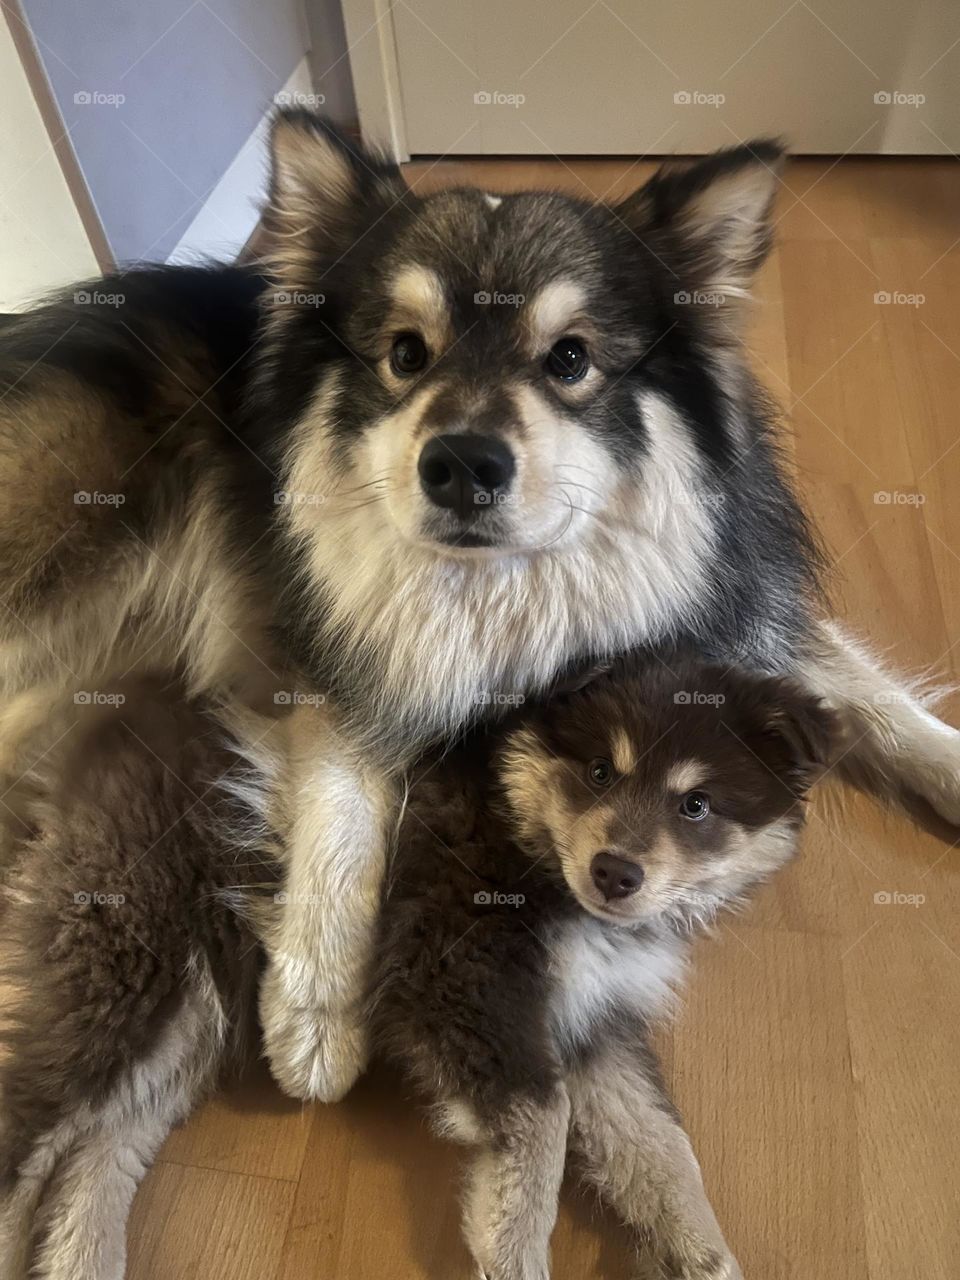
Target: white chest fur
{"points": [[596, 968]]}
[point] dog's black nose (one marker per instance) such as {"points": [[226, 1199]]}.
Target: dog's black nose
{"points": [[615, 877], [467, 474]]}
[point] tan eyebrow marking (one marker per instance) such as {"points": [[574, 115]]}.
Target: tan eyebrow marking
{"points": [[624, 753], [686, 776], [419, 303], [552, 311]]}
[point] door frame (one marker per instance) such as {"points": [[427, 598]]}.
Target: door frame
{"points": [[372, 50]]}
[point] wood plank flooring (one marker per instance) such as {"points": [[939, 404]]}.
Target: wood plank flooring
{"points": [[817, 1057]]}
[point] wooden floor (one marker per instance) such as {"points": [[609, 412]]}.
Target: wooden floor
{"points": [[817, 1059]]}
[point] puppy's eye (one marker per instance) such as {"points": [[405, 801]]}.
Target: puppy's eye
{"points": [[568, 360], [600, 772], [408, 355], [695, 805]]}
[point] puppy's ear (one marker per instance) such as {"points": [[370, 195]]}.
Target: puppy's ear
{"points": [[324, 190], [576, 678], [709, 223], [797, 736]]}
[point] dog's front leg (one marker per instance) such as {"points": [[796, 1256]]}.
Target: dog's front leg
{"points": [[513, 1187], [629, 1144], [896, 747], [319, 948]]}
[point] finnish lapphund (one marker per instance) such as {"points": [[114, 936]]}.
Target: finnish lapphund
{"points": [[450, 448]]}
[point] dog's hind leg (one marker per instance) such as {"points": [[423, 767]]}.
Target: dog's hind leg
{"points": [[895, 747], [66, 1215], [21, 1199], [630, 1145], [79, 1232], [513, 1186]]}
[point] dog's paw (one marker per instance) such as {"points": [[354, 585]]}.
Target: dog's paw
{"points": [[939, 784], [691, 1262], [315, 1052]]}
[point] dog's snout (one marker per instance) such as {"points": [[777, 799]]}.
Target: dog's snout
{"points": [[465, 473], [615, 877]]}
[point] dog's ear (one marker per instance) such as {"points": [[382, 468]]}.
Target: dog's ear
{"points": [[579, 677], [709, 223], [324, 191], [795, 734]]}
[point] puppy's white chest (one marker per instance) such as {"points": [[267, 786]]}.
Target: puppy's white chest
{"points": [[597, 968]]}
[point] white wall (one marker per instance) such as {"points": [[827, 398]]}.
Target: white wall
{"points": [[42, 241]]}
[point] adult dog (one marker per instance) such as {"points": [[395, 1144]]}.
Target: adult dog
{"points": [[485, 440]]}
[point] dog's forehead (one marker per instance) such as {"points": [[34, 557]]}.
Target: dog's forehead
{"points": [[510, 244]]}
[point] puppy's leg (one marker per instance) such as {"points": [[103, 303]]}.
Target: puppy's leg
{"points": [[897, 747], [21, 1197], [630, 1145], [512, 1188], [80, 1227], [65, 1217], [319, 949]]}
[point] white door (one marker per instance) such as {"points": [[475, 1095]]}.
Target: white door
{"points": [[582, 77]]}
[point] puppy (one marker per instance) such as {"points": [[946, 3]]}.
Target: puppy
{"points": [[544, 888], [545, 881]]}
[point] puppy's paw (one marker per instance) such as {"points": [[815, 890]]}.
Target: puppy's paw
{"points": [[315, 1052], [691, 1261]]}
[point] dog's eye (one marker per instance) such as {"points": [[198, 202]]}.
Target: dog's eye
{"points": [[408, 354], [568, 360], [695, 805], [600, 772]]}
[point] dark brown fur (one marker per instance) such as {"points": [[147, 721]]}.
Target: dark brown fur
{"points": [[122, 890]]}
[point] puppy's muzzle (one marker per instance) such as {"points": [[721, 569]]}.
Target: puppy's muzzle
{"points": [[466, 474]]}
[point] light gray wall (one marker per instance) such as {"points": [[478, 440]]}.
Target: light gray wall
{"points": [[196, 78]]}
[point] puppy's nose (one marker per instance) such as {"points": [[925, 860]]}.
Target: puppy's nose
{"points": [[615, 877], [465, 474]]}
